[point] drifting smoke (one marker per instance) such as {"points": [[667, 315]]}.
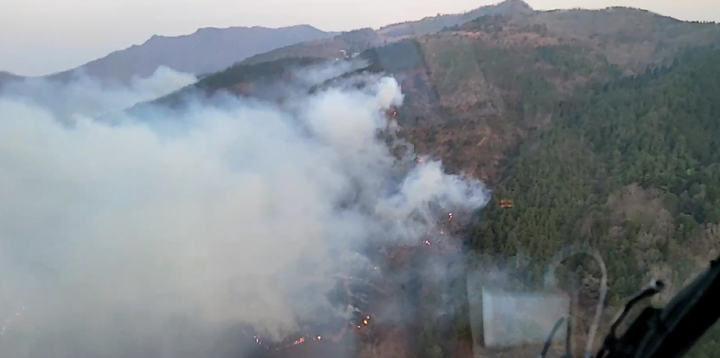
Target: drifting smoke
{"points": [[119, 240], [87, 96], [320, 73]]}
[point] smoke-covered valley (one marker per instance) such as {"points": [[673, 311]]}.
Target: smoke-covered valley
{"points": [[135, 239], [85, 96], [278, 202]]}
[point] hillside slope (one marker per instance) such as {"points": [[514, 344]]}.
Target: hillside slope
{"points": [[629, 38], [6, 77], [205, 51], [352, 42], [479, 87], [435, 24], [631, 168], [362, 39], [499, 77], [605, 133]]}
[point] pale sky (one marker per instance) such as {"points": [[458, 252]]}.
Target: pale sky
{"points": [[44, 36]]}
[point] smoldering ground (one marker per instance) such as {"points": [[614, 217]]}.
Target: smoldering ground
{"points": [[138, 240]]}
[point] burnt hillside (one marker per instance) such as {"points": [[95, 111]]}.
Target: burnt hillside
{"points": [[599, 125]]}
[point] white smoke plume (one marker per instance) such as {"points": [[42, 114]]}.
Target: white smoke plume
{"points": [[116, 239], [87, 96], [320, 73]]}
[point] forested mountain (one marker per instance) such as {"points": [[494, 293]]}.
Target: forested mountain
{"points": [[602, 127], [631, 167]]}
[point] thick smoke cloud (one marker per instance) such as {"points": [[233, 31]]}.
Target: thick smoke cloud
{"points": [[125, 235]]}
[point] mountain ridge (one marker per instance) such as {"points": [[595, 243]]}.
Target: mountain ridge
{"points": [[187, 53], [429, 25]]}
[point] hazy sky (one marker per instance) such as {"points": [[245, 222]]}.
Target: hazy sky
{"points": [[44, 36]]}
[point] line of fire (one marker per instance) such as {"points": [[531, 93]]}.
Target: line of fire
{"points": [[382, 303], [388, 313]]}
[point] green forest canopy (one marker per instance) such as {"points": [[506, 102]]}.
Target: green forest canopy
{"points": [[632, 168]]}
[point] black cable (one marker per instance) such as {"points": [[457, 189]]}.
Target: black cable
{"points": [[546, 347], [568, 332]]}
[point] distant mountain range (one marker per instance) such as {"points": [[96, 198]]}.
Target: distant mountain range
{"points": [[207, 50], [7, 76], [210, 50]]}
